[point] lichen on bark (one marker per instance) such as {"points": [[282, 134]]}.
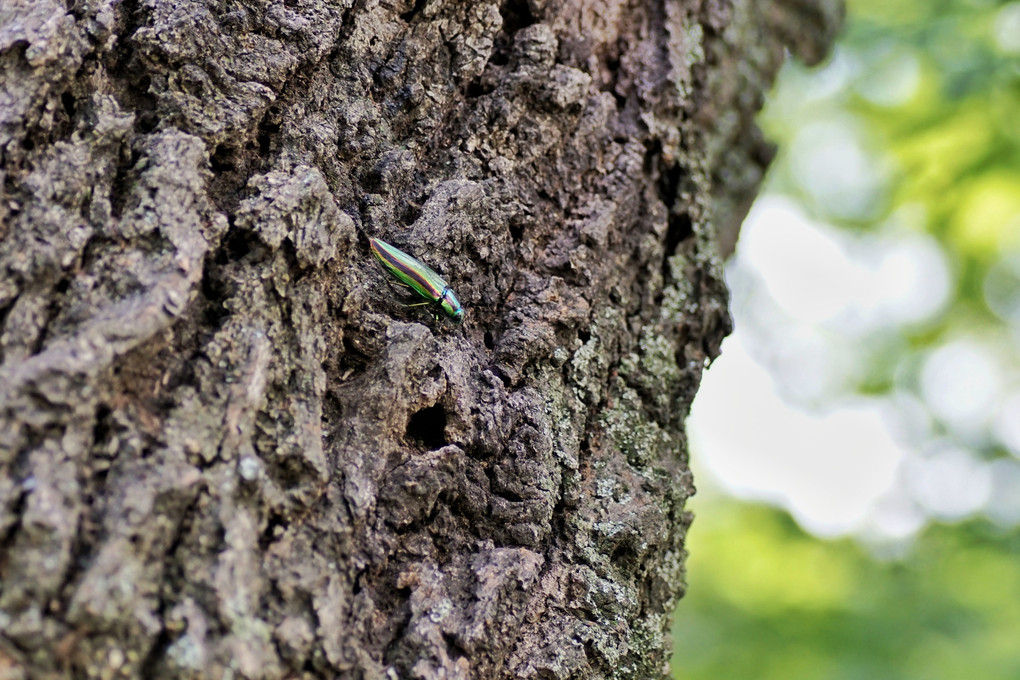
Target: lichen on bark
{"points": [[226, 446]]}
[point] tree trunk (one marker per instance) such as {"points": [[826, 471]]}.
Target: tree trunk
{"points": [[228, 448]]}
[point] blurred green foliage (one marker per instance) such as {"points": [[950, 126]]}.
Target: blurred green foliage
{"points": [[914, 124], [769, 602], [930, 92]]}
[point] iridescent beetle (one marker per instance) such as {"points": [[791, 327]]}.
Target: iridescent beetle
{"points": [[416, 275]]}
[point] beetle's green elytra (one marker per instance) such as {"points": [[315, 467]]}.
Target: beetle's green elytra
{"points": [[418, 276]]}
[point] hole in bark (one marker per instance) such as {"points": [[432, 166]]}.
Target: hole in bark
{"points": [[680, 228], [222, 159], [67, 99], [147, 122], [500, 52], [428, 427], [5, 311], [101, 429], [269, 126], [478, 89], [215, 291], [123, 183], [489, 341], [236, 245], [418, 6], [153, 662], [454, 648], [145, 109], [275, 527], [516, 15], [503, 377], [516, 231], [17, 507], [624, 555], [583, 334], [409, 213], [669, 180]]}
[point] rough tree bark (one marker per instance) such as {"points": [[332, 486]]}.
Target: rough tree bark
{"points": [[228, 450]]}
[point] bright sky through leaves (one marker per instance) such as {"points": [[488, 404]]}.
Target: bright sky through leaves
{"points": [[872, 387]]}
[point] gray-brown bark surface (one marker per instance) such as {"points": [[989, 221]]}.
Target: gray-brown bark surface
{"points": [[227, 449]]}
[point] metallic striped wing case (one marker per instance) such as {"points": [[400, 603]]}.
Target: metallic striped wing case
{"points": [[418, 276]]}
